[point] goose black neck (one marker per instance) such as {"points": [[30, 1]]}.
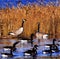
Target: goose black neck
{"points": [[15, 44], [22, 23], [54, 41], [11, 52], [38, 27]]}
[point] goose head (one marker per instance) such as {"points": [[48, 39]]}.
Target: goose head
{"points": [[23, 20]]}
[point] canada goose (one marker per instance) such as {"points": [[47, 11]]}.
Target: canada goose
{"points": [[7, 54], [41, 35], [31, 52], [52, 48], [12, 48], [19, 31]]}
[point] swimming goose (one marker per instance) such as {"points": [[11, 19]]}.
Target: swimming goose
{"points": [[31, 52], [13, 48], [52, 48], [7, 54]]}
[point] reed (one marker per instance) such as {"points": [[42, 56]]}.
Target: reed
{"points": [[48, 16]]}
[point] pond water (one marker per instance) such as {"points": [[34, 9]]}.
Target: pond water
{"points": [[18, 54]]}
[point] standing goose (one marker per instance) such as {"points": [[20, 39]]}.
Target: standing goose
{"points": [[41, 35], [19, 31]]}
